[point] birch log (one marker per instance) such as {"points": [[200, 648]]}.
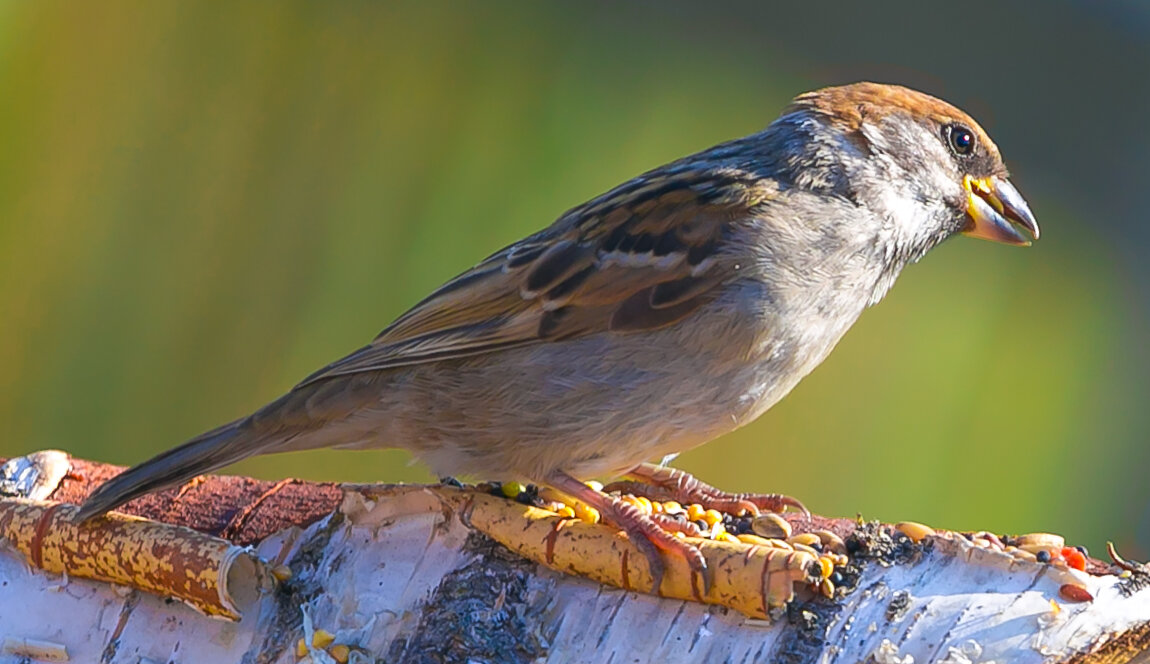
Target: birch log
{"points": [[400, 574]]}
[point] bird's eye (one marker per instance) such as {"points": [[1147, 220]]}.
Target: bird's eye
{"points": [[961, 139]]}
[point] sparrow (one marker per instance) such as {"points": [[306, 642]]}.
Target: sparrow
{"points": [[675, 308]]}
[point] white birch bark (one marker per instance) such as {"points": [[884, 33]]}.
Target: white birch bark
{"points": [[406, 581]]}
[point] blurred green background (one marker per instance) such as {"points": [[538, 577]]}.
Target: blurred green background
{"points": [[200, 203]]}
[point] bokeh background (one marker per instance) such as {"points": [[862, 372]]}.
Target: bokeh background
{"points": [[200, 203]]}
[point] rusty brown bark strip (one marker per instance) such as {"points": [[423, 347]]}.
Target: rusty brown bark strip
{"points": [[750, 579], [155, 557], [212, 502]]}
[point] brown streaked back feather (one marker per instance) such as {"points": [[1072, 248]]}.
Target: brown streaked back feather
{"points": [[637, 258]]}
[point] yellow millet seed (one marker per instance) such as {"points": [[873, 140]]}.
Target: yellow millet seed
{"points": [[322, 639], [831, 541], [914, 530], [747, 538], [797, 546], [586, 513], [806, 539]]}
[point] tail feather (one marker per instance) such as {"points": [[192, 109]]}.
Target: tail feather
{"points": [[203, 454]]}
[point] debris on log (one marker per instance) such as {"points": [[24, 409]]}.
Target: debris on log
{"points": [[443, 573]]}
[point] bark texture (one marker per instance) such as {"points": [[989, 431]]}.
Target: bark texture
{"points": [[402, 574]]}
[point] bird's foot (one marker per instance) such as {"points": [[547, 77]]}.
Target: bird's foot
{"points": [[664, 483], [653, 535]]}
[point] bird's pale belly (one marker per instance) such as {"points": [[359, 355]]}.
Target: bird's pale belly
{"points": [[535, 412]]}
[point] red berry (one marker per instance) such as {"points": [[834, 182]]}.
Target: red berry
{"points": [[1074, 558]]}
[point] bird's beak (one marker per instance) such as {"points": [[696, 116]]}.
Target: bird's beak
{"points": [[995, 211]]}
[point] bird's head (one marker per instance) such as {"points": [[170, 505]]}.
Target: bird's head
{"points": [[925, 166]]}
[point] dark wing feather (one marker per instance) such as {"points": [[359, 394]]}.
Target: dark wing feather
{"points": [[640, 257]]}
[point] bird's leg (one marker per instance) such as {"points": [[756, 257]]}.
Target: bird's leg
{"points": [[649, 536], [665, 483]]}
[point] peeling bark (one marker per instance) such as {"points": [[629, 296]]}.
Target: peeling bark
{"points": [[399, 574]]}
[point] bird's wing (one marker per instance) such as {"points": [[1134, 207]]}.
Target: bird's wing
{"points": [[640, 257]]}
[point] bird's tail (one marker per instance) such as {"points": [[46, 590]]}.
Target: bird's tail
{"points": [[202, 454]]}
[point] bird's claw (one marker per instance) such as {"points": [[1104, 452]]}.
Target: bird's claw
{"points": [[770, 502], [652, 534], [661, 482]]}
